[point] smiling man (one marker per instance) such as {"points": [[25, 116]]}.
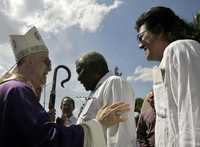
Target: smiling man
{"points": [[67, 107], [167, 38]]}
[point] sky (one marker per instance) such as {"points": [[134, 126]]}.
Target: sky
{"points": [[73, 27]]}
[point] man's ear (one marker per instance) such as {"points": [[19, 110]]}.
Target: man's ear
{"points": [[99, 75], [161, 33], [163, 36]]}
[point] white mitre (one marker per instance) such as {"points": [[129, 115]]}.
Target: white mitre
{"points": [[27, 44]]}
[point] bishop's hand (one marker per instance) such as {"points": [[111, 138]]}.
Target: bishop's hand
{"points": [[111, 115], [52, 115]]}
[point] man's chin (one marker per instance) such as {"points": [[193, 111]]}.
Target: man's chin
{"points": [[146, 56], [87, 89], [149, 58], [39, 91]]}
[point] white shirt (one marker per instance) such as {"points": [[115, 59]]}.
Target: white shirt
{"points": [[93, 134], [108, 90], [70, 121], [160, 103], [182, 86]]}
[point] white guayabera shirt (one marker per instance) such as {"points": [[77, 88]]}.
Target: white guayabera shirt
{"points": [[182, 86], [108, 90], [93, 134], [160, 103]]}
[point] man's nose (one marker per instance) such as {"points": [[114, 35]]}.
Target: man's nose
{"points": [[79, 78], [49, 67], [140, 45]]}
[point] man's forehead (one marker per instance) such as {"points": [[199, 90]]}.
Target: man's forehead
{"points": [[142, 28], [40, 54], [81, 63], [67, 101], [80, 60], [43, 55]]}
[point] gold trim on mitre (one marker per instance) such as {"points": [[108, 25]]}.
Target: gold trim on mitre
{"points": [[27, 44]]}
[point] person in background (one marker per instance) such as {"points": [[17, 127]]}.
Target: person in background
{"points": [[146, 123], [167, 38], [67, 107], [106, 88], [138, 106], [24, 122]]}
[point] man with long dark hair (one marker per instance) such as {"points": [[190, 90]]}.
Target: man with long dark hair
{"points": [[167, 38]]}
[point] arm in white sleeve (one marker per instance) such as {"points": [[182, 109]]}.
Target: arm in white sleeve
{"points": [[184, 99], [93, 134], [122, 134]]}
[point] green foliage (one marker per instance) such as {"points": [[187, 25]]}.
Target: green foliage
{"points": [[197, 20]]}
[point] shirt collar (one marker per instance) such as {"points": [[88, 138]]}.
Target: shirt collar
{"points": [[107, 75]]}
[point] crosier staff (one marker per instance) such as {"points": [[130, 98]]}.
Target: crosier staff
{"points": [[53, 90]]}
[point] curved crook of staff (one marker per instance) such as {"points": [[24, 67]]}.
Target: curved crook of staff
{"points": [[53, 90]]}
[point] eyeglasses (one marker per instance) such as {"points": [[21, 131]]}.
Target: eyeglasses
{"points": [[140, 35], [47, 61]]}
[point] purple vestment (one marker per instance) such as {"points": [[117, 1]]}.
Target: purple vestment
{"points": [[25, 123]]}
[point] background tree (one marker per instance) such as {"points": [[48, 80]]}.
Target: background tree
{"points": [[197, 20]]}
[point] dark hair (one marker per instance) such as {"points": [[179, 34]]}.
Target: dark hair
{"points": [[68, 99], [96, 62], [161, 19], [138, 104]]}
